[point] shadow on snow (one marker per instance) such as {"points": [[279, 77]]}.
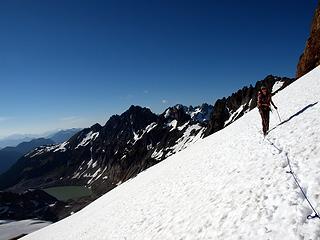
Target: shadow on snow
{"points": [[295, 115]]}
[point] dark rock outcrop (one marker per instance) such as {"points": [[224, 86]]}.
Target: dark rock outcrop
{"points": [[311, 55], [30, 204], [37, 204]]}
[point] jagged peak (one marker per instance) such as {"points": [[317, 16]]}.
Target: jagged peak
{"points": [[96, 127], [137, 111], [199, 113]]}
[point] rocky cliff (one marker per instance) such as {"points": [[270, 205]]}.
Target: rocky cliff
{"points": [[311, 55]]}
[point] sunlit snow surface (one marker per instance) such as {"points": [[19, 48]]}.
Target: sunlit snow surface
{"points": [[230, 185], [11, 229], [277, 86]]}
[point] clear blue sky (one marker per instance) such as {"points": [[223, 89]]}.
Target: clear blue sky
{"points": [[73, 63]]}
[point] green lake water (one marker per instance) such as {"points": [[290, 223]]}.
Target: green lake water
{"points": [[64, 193]]}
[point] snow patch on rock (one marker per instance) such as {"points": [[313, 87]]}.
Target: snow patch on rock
{"points": [[91, 136]]}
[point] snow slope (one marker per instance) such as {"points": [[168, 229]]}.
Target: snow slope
{"points": [[12, 229], [230, 185]]}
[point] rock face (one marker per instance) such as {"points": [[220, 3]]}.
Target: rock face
{"points": [[311, 55], [102, 157]]}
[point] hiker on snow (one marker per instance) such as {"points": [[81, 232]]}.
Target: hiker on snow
{"points": [[264, 100]]}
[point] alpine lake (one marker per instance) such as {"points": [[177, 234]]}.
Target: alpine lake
{"points": [[64, 193]]}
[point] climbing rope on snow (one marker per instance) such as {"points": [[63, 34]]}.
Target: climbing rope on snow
{"points": [[279, 116], [315, 213]]}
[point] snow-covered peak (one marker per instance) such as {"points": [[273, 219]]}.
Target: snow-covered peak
{"points": [[198, 114], [171, 111]]}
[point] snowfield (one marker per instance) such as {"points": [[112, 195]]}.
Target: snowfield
{"points": [[230, 185], [12, 229]]}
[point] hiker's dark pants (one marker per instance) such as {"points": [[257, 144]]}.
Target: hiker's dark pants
{"points": [[265, 114]]}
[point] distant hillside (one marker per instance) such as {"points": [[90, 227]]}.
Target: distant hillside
{"points": [[9, 155], [57, 136], [14, 140], [64, 135]]}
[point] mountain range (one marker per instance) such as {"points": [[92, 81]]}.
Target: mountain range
{"points": [[103, 157]]}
